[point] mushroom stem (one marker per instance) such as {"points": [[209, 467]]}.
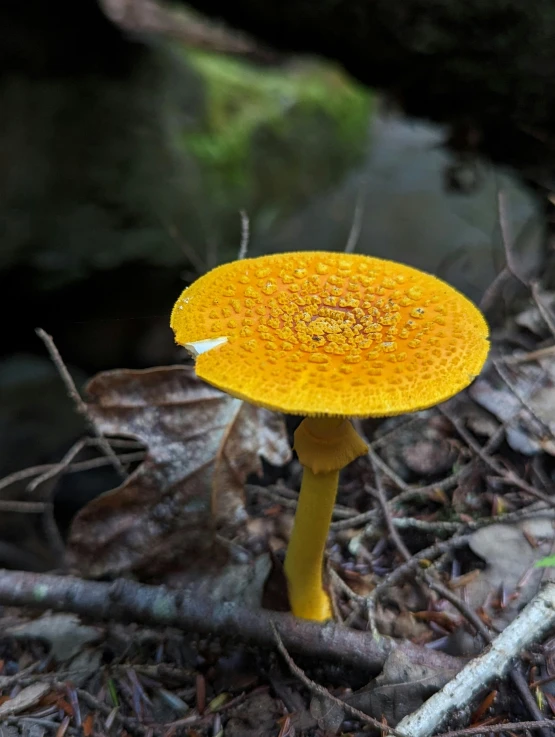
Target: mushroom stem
{"points": [[305, 554], [324, 447]]}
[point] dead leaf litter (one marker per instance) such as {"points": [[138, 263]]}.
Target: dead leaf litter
{"points": [[210, 508]]}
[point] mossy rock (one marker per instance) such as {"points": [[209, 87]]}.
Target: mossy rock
{"points": [[153, 165], [273, 138], [276, 107]]}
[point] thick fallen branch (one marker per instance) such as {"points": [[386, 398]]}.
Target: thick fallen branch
{"points": [[127, 601], [529, 627]]}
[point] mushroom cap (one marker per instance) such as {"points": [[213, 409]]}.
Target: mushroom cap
{"points": [[331, 334]]}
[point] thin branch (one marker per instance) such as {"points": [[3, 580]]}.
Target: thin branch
{"points": [[521, 684], [386, 512], [319, 690], [546, 352], [447, 546], [459, 604], [27, 473], [495, 728], [430, 553], [245, 235], [58, 468], [77, 399], [45, 507], [437, 527], [403, 422], [508, 476], [524, 401], [544, 311], [281, 496], [356, 225], [349, 523], [506, 237], [491, 295], [356, 520], [340, 584], [375, 460], [17, 507], [188, 251]]}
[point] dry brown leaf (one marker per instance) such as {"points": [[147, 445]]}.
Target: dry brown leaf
{"points": [[410, 676], [202, 444], [510, 565]]}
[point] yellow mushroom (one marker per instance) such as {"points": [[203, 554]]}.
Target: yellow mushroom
{"points": [[329, 336]]}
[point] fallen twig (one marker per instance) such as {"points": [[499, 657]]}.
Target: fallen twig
{"points": [[79, 403], [521, 684], [22, 507], [76, 467], [319, 690], [499, 366], [430, 553], [494, 728], [529, 627], [289, 499], [530, 356], [58, 468], [356, 225], [509, 477], [128, 601], [544, 311], [245, 235]]}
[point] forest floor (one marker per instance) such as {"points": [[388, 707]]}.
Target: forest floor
{"points": [[433, 551]]}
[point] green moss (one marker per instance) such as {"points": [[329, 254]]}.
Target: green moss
{"points": [[244, 101]]}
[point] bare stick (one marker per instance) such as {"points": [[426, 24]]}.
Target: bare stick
{"points": [[494, 728], [22, 507], [521, 684], [434, 551], [245, 235], [319, 690], [508, 242], [529, 627], [72, 453], [27, 473], [524, 400], [393, 533], [127, 601], [531, 356], [459, 604], [410, 492], [76, 397], [506, 476], [492, 293], [289, 499], [356, 225], [544, 311], [196, 261]]}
